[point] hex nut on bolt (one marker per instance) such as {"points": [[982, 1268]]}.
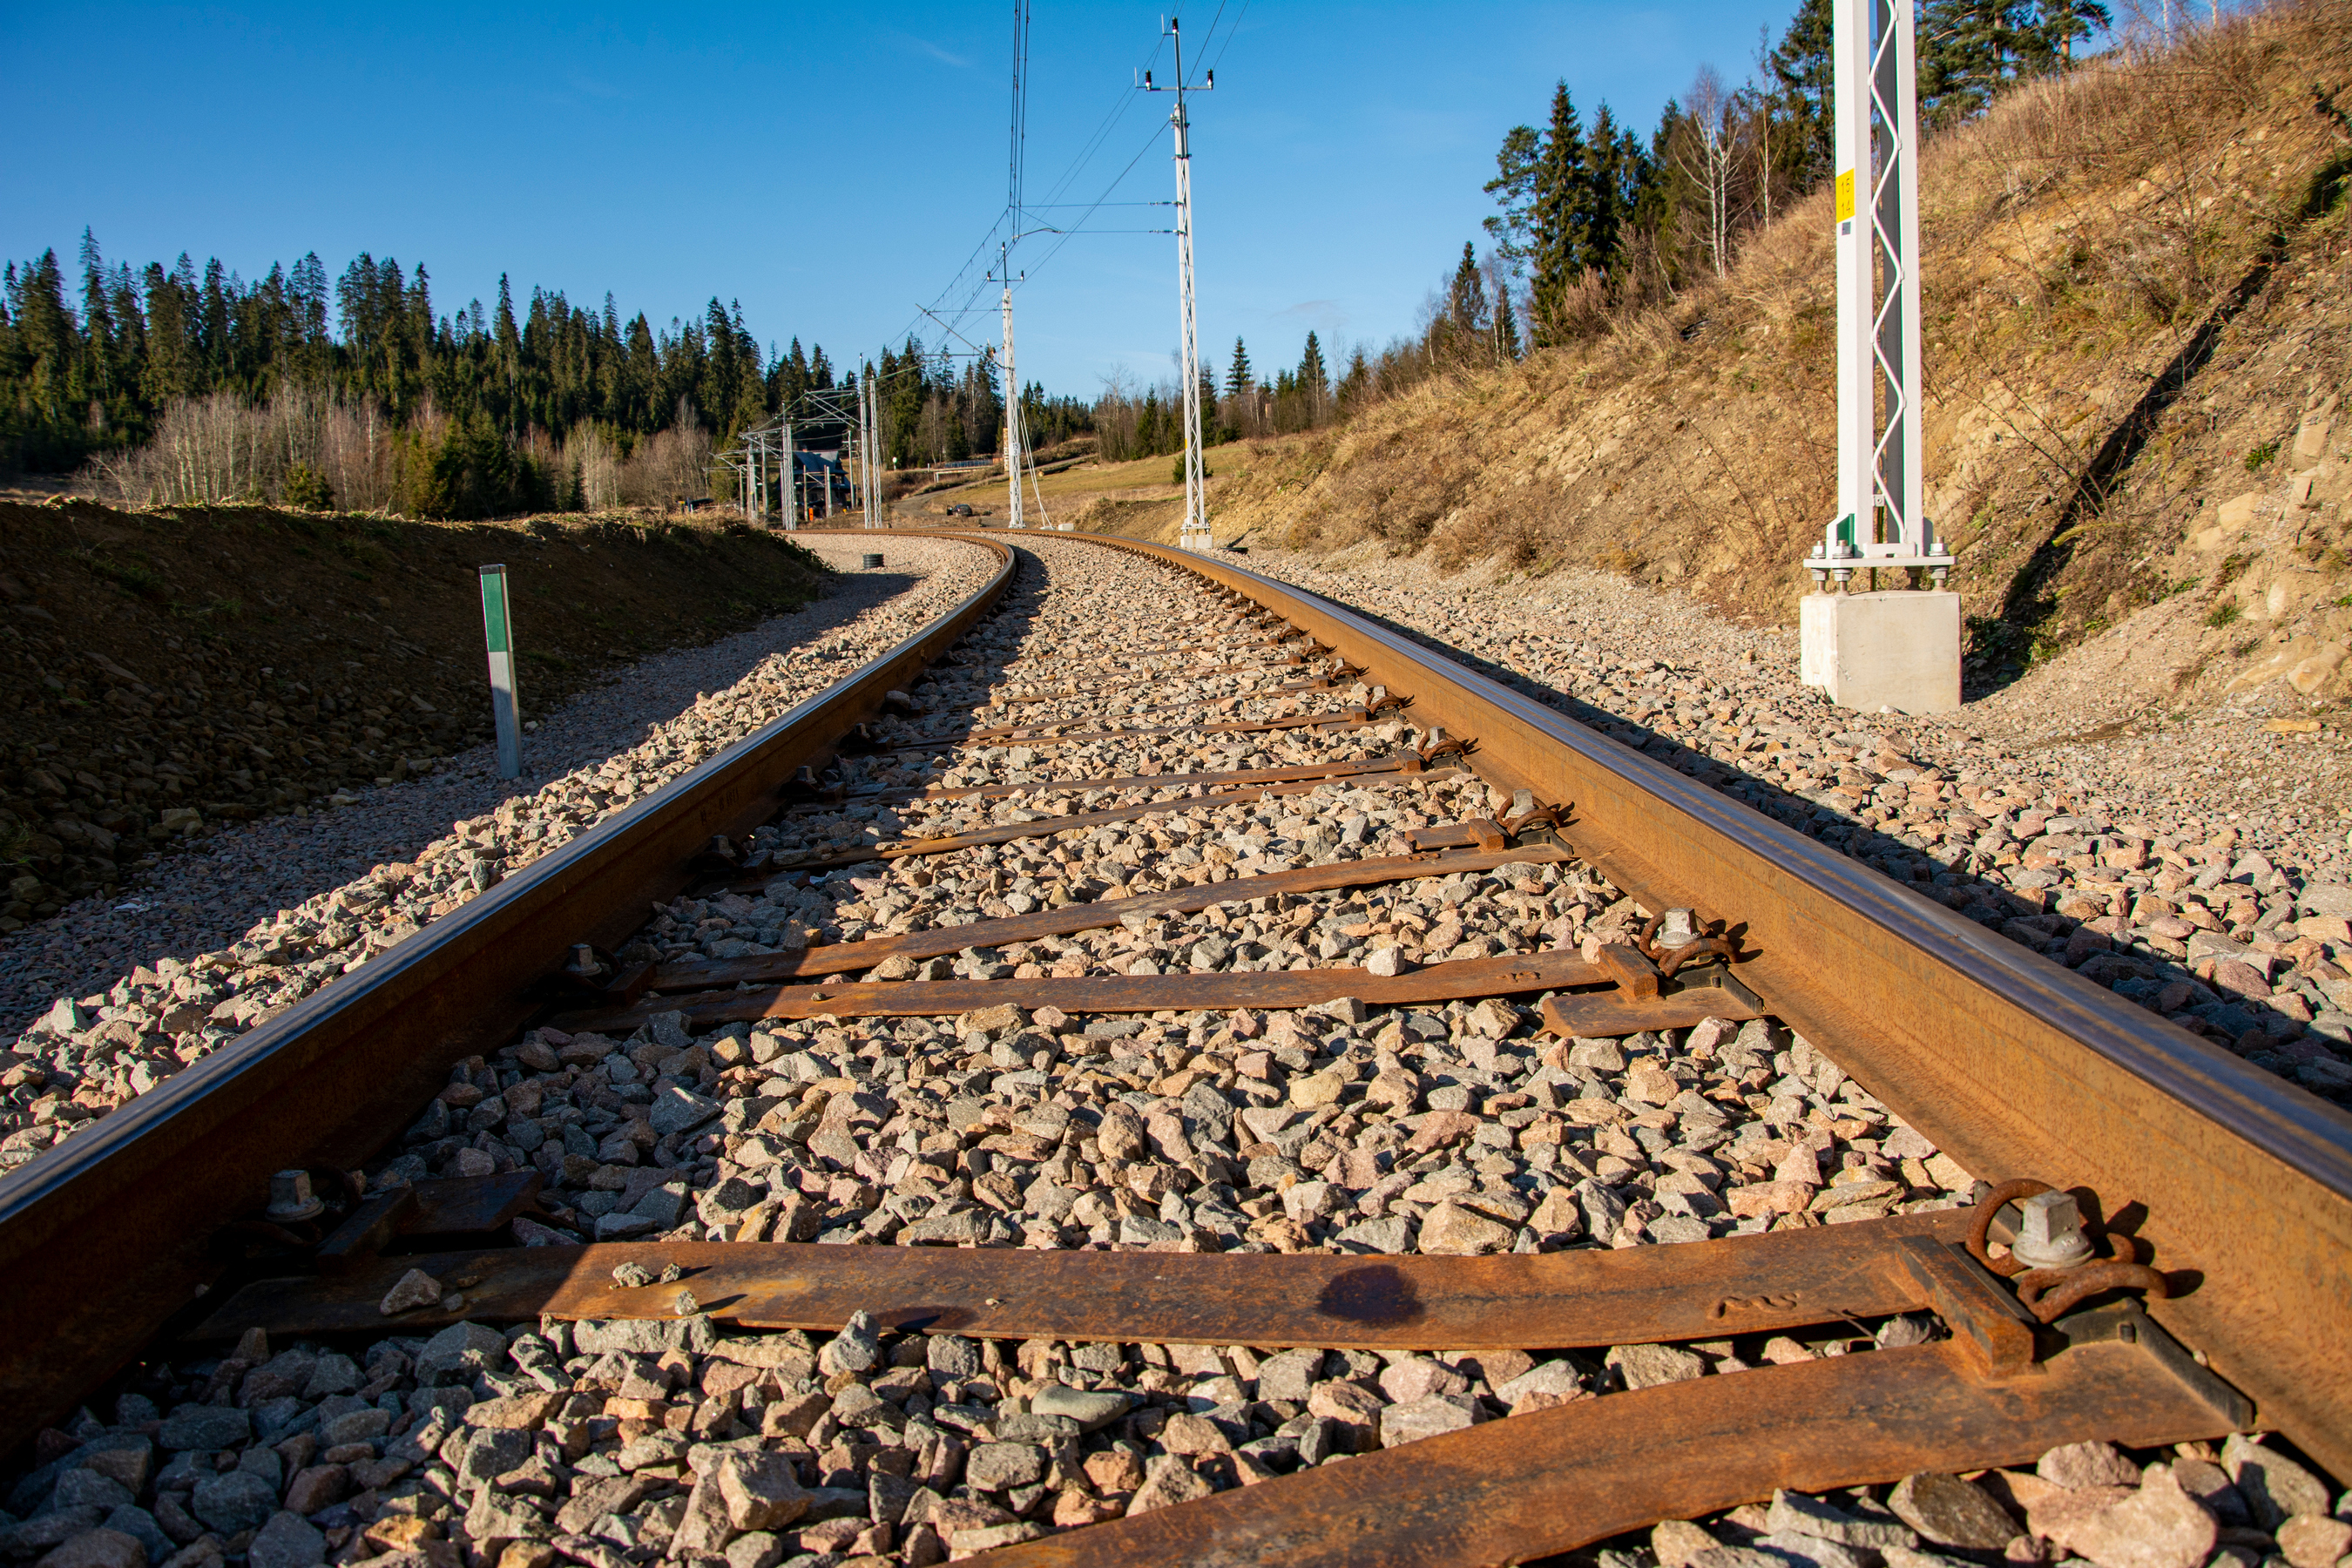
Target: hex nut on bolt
{"points": [[2049, 1232], [290, 1198]]}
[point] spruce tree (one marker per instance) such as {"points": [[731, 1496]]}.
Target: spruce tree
{"points": [[1608, 202], [1466, 297], [1558, 218], [1800, 66], [1313, 379], [1965, 47], [1239, 378]]}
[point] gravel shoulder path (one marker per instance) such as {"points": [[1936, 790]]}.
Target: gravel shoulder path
{"points": [[243, 876], [2199, 866]]}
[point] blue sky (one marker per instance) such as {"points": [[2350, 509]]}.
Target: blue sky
{"points": [[832, 167]]}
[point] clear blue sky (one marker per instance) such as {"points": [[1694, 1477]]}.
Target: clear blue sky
{"points": [[834, 166]]}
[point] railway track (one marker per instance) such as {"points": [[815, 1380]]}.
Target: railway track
{"points": [[1199, 968]]}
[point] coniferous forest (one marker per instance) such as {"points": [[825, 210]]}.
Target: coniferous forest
{"points": [[175, 385]]}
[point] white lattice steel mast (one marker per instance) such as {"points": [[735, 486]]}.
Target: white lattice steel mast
{"points": [[1878, 521], [1194, 534], [1013, 445]]}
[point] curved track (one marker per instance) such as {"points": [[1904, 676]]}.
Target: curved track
{"points": [[2234, 1184]]}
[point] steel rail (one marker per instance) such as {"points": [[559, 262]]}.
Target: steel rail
{"points": [[1681, 1450], [2239, 1181], [105, 1238]]}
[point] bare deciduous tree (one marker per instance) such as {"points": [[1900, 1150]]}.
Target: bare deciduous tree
{"points": [[1706, 149]]}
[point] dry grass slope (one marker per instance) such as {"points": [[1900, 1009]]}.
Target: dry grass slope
{"points": [[2138, 322]]}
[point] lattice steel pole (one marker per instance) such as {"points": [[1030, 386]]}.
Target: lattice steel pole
{"points": [[1874, 650], [1012, 415], [791, 474], [1878, 519], [1195, 533]]}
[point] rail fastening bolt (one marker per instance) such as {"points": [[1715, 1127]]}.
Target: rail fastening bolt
{"points": [[290, 1198], [2049, 1232]]}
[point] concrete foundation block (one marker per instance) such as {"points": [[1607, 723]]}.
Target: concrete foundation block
{"points": [[1870, 651]]}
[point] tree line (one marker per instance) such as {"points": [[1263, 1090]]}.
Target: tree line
{"points": [[472, 410], [1591, 217]]}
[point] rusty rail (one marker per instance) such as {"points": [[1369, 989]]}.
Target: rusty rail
{"points": [[326, 1082], [2233, 1182], [2012, 1064]]}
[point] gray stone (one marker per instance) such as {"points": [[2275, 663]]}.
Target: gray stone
{"points": [[678, 1109], [1603, 1210], [235, 1501], [663, 1204], [2088, 1464], [1390, 1233], [856, 1348], [89, 1489], [1291, 1375], [888, 1496], [1092, 1411], [1648, 1367], [205, 1427], [966, 1227], [1142, 1231], [1550, 1382], [757, 1549], [1819, 1550], [495, 1516], [759, 1491], [460, 1351], [354, 1427], [995, 1467], [952, 1356], [267, 1463], [1029, 1426], [837, 1502], [2275, 1488], [333, 1375], [129, 1458], [456, 1401], [1206, 1104], [2323, 898], [481, 1454], [140, 1526], [1948, 1511], [645, 1336], [1426, 1417], [47, 1531], [1795, 1513], [621, 1227], [287, 1540], [98, 1548]]}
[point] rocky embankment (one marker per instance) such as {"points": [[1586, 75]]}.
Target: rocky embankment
{"points": [[162, 674]]}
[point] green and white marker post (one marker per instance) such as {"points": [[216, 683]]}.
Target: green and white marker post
{"points": [[497, 628]]}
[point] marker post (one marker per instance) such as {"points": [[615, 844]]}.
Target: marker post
{"points": [[498, 629]]}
